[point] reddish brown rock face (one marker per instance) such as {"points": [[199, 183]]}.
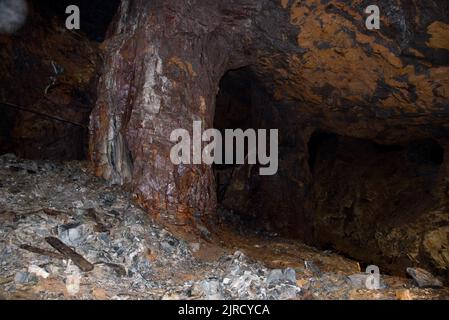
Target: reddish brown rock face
{"points": [[376, 176], [164, 62]]}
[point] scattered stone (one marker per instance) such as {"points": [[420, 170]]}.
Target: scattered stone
{"points": [[423, 278], [204, 232], [168, 247], [403, 294], [108, 199], [136, 259], [38, 271], [290, 275], [72, 233], [99, 294], [312, 267], [358, 280], [284, 292], [302, 282], [277, 275], [208, 290], [21, 277], [195, 247], [73, 280]]}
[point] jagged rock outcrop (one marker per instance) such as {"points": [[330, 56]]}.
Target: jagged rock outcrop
{"points": [[164, 63], [381, 95]]}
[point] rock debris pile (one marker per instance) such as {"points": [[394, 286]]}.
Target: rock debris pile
{"points": [[64, 234]]}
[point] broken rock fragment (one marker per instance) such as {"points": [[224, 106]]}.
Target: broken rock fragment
{"points": [[72, 233], [423, 278], [38, 271], [278, 275]]}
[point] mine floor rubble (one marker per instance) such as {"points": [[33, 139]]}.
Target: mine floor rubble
{"points": [[65, 234]]}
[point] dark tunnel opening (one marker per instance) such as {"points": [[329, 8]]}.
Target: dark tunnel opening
{"points": [[362, 191], [340, 197], [234, 110]]}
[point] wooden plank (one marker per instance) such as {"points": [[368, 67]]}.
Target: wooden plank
{"points": [[69, 253], [43, 252]]}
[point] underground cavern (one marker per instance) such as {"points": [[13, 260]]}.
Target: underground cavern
{"points": [[88, 123]]}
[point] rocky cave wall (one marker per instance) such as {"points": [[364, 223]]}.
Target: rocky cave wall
{"points": [[362, 115], [378, 202], [373, 102], [164, 63]]}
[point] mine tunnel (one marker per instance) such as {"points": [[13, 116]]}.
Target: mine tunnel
{"points": [[362, 161], [350, 188]]}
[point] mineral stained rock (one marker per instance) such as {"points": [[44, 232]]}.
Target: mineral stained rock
{"points": [[345, 99], [164, 61]]}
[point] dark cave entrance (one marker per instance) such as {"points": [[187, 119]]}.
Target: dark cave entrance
{"points": [[332, 191], [237, 185], [363, 193], [395, 183], [246, 198]]}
